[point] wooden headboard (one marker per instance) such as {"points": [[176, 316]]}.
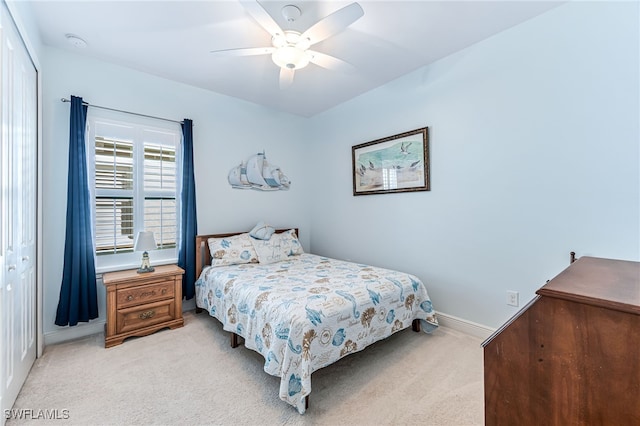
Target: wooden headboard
{"points": [[202, 247]]}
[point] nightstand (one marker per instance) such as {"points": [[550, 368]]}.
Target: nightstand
{"points": [[141, 304]]}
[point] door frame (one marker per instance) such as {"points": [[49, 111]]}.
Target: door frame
{"points": [[15, 13]]}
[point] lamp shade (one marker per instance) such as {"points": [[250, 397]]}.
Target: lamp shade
{"points": [[145, 241]]}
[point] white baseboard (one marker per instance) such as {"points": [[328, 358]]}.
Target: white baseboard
{"points": [[70, 333], [464, 326], [445, 320], [95, 327]]}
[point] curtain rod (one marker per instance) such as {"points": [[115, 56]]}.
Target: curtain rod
{"points": [[126, 112]]}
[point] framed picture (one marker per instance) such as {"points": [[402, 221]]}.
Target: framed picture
{"points": [[397, 163]]}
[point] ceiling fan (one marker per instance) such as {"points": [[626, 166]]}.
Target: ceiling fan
{"points": [[290, 48]]}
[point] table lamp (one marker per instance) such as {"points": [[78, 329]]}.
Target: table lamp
{"points": [[145, 242]]}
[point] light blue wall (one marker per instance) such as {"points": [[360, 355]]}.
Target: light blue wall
{"points": [[226, 131], [534, 154], [534, 148]]}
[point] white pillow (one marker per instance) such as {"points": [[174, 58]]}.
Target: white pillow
{"points": [[262, 231], [232, 250], [290, 239], [278, 247]]}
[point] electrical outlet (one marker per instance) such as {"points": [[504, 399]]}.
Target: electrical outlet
{"points": [[512, 298]]}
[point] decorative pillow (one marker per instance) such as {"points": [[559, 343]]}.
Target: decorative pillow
{"points": [[262, 231], [232, 250], [291, 241], [278, 247]]}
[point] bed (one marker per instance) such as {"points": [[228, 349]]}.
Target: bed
{"points": [[301, 311]]}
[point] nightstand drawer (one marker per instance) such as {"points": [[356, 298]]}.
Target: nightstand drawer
{"points": [[157, 290], [145, 315]]}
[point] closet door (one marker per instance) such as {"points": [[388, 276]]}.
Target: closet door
{"points": [[18, 174]]}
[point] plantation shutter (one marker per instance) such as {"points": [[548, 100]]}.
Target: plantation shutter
{"points": [[160, 212], [114, 189], [135, 172]]}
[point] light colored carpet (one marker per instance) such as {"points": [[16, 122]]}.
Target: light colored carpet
{"points": [[192, 376]]}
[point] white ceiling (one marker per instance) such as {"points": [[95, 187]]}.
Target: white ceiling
{"points": [[173, 39]]}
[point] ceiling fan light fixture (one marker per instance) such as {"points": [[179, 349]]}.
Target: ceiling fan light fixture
{"points": [[279, 40], [290, 57], [290, 48], [303, 43]]}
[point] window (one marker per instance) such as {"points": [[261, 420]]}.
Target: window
{"points": [[114, 195], [160, 215], [134, 178]]}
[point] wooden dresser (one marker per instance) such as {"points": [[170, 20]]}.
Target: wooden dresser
{"points": [[572, 355], [141, 304]]}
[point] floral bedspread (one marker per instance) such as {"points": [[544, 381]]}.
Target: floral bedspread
{"points": [[308, 311]]}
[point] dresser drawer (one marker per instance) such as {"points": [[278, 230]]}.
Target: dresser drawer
{"points": [[158, 290], [141, 316]]}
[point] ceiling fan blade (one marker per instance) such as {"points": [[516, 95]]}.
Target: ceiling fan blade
{"points": [[262, 17], [250, 51], [330, 62], [286, 77], [333, 24]]}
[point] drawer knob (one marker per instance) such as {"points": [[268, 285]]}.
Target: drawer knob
{"points": [[147, 314], [130, 298], [164, 291]]}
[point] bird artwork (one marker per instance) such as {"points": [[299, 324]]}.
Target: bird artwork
{"points": [[390, 165]]}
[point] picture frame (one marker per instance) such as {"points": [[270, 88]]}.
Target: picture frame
{"points": [[398, 163]]}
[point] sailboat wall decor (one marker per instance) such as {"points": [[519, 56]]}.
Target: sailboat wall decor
{"points": [[257, 173]]}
